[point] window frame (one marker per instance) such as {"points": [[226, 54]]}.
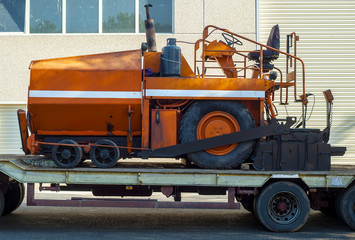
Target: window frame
{"points": [[100, 15]]}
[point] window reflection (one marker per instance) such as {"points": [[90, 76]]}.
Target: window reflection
{"points": [[118, 16], [82, 16], [46, 16], [161, 12], [12, 15]]}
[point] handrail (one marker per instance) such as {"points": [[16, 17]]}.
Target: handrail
{"points": [[207, 33]]}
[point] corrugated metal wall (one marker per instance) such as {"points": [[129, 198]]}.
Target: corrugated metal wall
{"points": [[327, 46], [10, 141]]}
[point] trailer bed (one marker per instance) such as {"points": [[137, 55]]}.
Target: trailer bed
{"points": [[165, 174]]}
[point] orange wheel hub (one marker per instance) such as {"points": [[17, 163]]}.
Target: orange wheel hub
{"points": [[216, 124]]}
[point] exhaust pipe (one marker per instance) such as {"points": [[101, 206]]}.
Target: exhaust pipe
{"points": [[150, 30]]}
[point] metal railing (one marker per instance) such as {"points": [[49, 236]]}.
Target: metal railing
{"points": [[241, 72]]}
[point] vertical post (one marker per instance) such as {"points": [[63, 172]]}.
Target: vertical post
{"points": [[231, 197], [31, 194]]}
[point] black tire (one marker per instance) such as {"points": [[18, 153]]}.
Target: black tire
{"points": [[282, 207], [204, 159], [2, 202], [13, 197], [346, 207], [67, 156], [104, 157]]}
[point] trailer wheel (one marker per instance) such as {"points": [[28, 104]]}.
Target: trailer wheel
{"points": [[282, 207], [67, 156], [207, 119], [104, 157], [346, 207], [13, 197]]}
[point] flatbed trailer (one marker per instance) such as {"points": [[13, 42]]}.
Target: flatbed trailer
{"points": [[281, 200]]}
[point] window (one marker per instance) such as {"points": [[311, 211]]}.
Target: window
{"points": [[46, 16], [83, 16], [12, 15], [118, 16], [161, 12]]}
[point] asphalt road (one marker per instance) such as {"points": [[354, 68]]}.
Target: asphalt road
{"points": [[112, 223]]}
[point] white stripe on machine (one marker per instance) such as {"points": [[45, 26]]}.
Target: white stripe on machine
{"points": [[205, 93], [84, 94], [149, 93]]}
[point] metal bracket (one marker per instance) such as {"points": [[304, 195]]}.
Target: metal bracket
{"points": [[274, 128]]}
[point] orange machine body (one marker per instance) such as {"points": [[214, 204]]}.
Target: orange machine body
{"points": [[121, 95], [86, 95]]}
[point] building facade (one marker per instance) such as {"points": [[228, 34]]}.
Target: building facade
{"points": [[40, 29]]}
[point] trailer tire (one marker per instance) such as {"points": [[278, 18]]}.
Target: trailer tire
{"points": [[346, 207], [13, 197], [282, 207], [234, 115]]}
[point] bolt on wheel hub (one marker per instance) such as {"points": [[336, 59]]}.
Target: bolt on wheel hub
{"points": [[66, 154], [104, 154]]}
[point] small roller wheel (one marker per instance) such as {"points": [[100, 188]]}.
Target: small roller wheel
{"points": [[67, 156], [13, 197], [104, 157], [282, 207], [346, 207]]}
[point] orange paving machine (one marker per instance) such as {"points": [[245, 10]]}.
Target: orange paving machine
{"points": [[220, 114]]}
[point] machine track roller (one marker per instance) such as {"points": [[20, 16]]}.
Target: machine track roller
{"points": [[207, 119], [104, 157], [282, 207], [13, 197], [67, 156]]}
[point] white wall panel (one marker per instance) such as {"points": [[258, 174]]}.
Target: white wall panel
{"points": [[327, 46], [10, 140]]}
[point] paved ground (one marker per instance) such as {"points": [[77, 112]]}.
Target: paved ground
{"points": [[109, 223]]}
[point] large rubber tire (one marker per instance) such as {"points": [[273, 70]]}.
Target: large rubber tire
{"points": [[74, 154], [13, 197], [282, 207], [346, 207], [188, 133]]}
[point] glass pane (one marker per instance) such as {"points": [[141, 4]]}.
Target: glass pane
{"points": [[118, 16], [46, 16], [82, 16], [161, 12], [12, 15]]}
